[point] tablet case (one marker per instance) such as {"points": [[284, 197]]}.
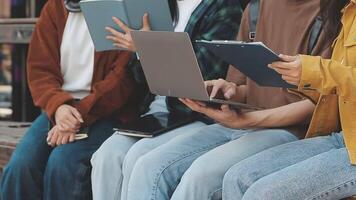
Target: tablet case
{"points": [[98, 15], [251, 59], [149, 126]]}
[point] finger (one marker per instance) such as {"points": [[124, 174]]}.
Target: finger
{"points": [[116, 40], [208, 84], [284, 65], [122, 46], [202, 104], [146, 22], [230, 92], [65, 139], [185, 102], [121, 24], [195, 106], [285, 72], [287, 58], [217, 86], [49, 136], [123, 43], [59, 139], [71, 119], [72, 125], [291, 80], [77, 115], [114, 32], [72, 138], [54, 139], [279, 65], [192, 105]]}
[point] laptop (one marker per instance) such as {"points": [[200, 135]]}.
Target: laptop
{"points": [[171, 67]]}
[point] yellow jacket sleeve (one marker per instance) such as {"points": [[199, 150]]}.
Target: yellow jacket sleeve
{"points": [[328, 77]]}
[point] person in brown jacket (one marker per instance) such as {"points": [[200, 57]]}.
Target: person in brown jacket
{"points": [[80, 92]]}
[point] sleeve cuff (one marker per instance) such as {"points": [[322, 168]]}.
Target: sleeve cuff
{"points": [[311, 74]]}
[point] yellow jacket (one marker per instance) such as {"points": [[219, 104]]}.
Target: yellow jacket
{"points": [[335, 80]]}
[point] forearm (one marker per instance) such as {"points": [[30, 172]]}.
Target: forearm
{"points": [[288, 115]]}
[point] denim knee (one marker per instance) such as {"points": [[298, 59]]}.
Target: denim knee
{"points": [[236, 181], [261, 190], [19, 166], [106, 155]]}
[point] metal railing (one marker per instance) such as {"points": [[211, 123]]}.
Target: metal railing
{"points": [[18, 32]]}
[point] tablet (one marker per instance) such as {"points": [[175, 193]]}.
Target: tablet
{"points": [[98, 15], [154, 124]]}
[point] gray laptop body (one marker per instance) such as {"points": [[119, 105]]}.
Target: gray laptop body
{"points": [[98, 15], [171, 67]]}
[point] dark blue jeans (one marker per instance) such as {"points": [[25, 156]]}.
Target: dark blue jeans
{"points": [[36, 171]]}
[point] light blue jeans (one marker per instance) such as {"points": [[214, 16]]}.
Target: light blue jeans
{"points": [[107, 162], [192, 166], [310, 169]]}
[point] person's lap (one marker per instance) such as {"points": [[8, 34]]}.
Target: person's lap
{"points": [[157, 173], [145, 146], [62, 172], [113, 161], [250, 178], [211, 167], [326, 176], [31, 154]]}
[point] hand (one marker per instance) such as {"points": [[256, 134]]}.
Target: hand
{"points": [[225, 116], [124, 40], [227, 88], [290, 68], [68, 118], [57, 137]]}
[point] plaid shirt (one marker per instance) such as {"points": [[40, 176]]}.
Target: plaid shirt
{"points": [[211, 20]]}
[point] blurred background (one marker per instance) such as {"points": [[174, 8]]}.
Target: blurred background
{"points": [[17, 20]]}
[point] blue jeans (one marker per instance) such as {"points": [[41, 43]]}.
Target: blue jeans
{"points": [[111, 165], [37, 171], [311, 169], [158, 174]]}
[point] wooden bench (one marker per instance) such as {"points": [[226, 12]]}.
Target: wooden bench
{"points": [[10, 135]]}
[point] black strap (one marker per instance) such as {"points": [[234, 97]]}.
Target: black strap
{"points": [[254, 14], [314, 34]]}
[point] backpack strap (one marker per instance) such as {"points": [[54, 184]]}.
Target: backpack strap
{"points": [[315, 33], [254, 14]]}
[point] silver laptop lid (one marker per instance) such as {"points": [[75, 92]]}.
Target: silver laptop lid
{"points": [[170, 65]]}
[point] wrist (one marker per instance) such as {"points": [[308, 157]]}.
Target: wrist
{"points": [[252, 120]]}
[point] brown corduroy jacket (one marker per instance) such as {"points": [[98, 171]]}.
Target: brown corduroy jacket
{"points": [[112, 85]]}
